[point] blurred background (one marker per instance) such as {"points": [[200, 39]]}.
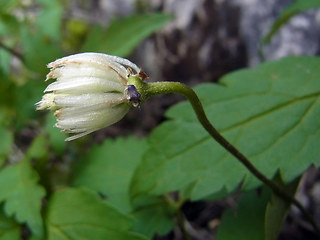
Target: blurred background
{"points": [[191, 41]]}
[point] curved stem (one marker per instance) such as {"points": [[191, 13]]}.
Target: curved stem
{"points": [[150, 89]]}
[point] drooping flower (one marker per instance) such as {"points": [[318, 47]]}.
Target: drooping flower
{"points": [[90, 92]]}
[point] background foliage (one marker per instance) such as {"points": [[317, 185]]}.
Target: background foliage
{"points": [[129, 188]]}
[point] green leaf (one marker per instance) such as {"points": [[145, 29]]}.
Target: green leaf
{"points": [[7, 5], [258, 216], [153, 216], [6, 143], [248, 221], [6, 97], [38, 148], [9, 229], [56, 137], [108, 169], [79, 214], [9, 25], [123, 35], [22, 195], [270, 113], [49, 19], [293, 9], [5, 58], [25, 97], [39, 50]]}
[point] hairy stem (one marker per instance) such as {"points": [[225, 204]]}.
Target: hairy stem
{"points": [[151, 89]]}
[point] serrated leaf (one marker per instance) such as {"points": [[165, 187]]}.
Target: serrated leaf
{"points": [[79, 214], [108, 169], [293, 9], [9, 229], [123, 35], [247, 222], [270, 113], [22, 195]]}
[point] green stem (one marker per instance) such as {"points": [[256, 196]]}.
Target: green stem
{"points": [[151, 89]]}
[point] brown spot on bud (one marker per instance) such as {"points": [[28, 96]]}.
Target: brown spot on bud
{"points": [[142, 75], [130, 71], [58, 113]]}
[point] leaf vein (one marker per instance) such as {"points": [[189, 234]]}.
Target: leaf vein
{"points": [[271, 110], [289, 130], [60, 232]]}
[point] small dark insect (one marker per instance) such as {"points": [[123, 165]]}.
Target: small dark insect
{"points": [[133, 95]]}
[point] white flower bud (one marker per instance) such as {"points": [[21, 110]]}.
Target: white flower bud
{"points": [[90, 92]]}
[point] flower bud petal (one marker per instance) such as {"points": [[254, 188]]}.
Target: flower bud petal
{"points": [[47, 102], [85, 84]]}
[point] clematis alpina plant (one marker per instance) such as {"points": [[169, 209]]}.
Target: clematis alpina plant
{"points": [[90, 92]]}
